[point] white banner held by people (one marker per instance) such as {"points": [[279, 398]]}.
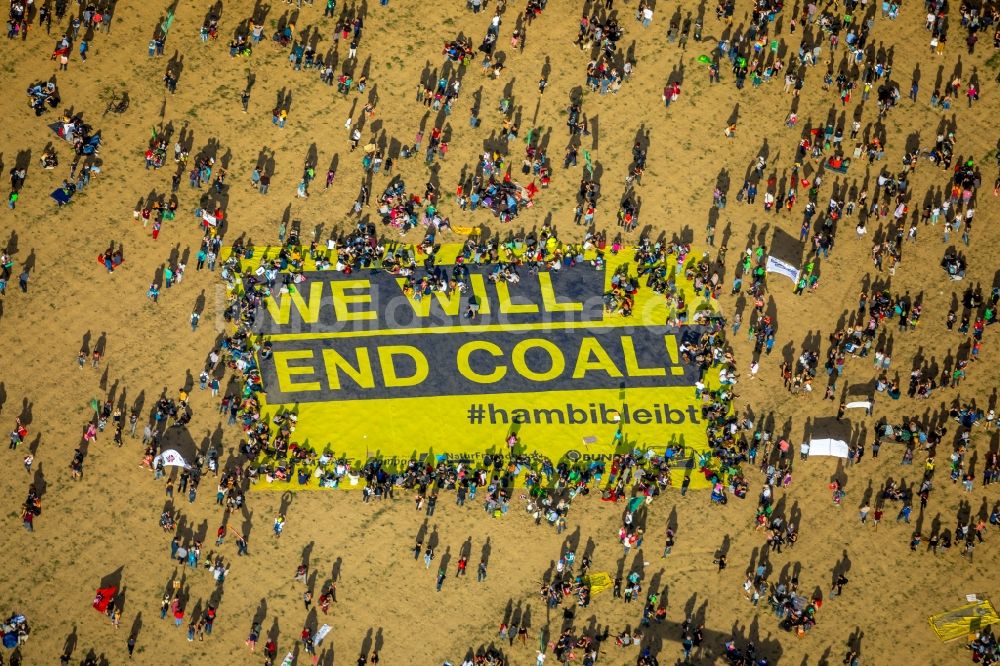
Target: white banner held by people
{"points": [[775, 265], [170, 457], [828, 447], [860, 404], [321, 634]]}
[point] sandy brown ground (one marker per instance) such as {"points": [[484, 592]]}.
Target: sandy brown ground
{"points": [[108, 521]]}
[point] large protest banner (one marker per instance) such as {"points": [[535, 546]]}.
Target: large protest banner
{"points": [[371, 370]]}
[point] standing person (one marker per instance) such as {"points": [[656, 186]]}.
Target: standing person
{"points": [[721, 562], [245, 100], [324, 602], [838, 585], [22, 280], [669, 545], [241, 544], [251, 641]]}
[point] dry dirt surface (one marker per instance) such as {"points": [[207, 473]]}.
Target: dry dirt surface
{"points": [[105, 526]]}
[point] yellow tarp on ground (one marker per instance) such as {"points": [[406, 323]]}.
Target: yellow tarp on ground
{"points": [[964, 620], [598, 582], [597, 388]]}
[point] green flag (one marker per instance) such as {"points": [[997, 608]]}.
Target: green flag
{"points": [[167, 22]]}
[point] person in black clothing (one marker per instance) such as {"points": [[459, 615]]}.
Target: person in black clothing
{"points": [[839, 583]]}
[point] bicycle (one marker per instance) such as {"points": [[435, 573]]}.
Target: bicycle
{"points": [[117, 104]]}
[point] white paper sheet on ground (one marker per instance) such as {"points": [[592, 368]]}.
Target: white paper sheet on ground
{"points": [[860, 404], [828, 447]]}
